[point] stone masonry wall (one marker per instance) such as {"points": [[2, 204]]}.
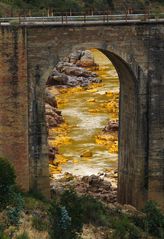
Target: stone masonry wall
{"points": [[156, 114], [14, 102]]}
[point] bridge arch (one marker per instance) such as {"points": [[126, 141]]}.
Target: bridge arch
{"points": [[132, 178], [133, 162]]}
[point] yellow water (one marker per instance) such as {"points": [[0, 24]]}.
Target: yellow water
{"points": [[86, 112]]}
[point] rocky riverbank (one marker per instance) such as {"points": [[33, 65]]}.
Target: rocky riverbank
{"points": [[71, 71], [102, 186]]}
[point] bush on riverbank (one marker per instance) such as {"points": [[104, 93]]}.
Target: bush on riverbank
{"points": [[66, 216], [152, 223], [73, 211]]}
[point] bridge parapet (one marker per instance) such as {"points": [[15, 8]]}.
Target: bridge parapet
{"points": [[82, 18]]}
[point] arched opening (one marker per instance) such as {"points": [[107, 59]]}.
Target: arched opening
{"points": [[127, 137]]}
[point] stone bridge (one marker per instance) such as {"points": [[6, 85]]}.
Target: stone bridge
{"points": [[27, 56]]}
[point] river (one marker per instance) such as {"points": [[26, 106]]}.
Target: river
{"points": [[86, 113]]}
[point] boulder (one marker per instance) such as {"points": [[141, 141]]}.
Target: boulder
{"points": [[95, 181], [55, 75], [57, 80], [49, 108], [98, 187], [62, 64], [50, 99], [112, 126], [51, 121], [53, 116], [77, 71], [87, 59], [75, 56], [55, 72], [72, 81], [52, 152], [95, 80], [86, 153]]}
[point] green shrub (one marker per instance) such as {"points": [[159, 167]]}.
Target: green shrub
{"points": [[60, 223], [125, 229], [39, 223], [72, 202], [37, 195], [10, 198], [2, 235], [7, 182], [33, 203], [24, 235], [66, 218], [14, 210], [154, 222], [94, 211], [70, 212]]}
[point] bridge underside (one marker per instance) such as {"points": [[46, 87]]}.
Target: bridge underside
{"points": [[27, 57]]}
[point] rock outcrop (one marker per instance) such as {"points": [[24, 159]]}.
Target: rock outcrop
{"points": [[53, 118], [86, 59], [70, 71], [102, 187], [50, 99]]}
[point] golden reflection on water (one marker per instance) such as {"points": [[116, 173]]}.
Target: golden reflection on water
{"points": [[86, 112]]}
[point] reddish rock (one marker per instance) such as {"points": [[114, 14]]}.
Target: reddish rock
{"points": [[112, 126], [86, 60], [50, 99], [75, 56], [53, 116], [77, 71], [52, 152]]}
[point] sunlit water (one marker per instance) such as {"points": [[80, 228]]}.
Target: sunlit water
{"points": [[86, 125]]}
